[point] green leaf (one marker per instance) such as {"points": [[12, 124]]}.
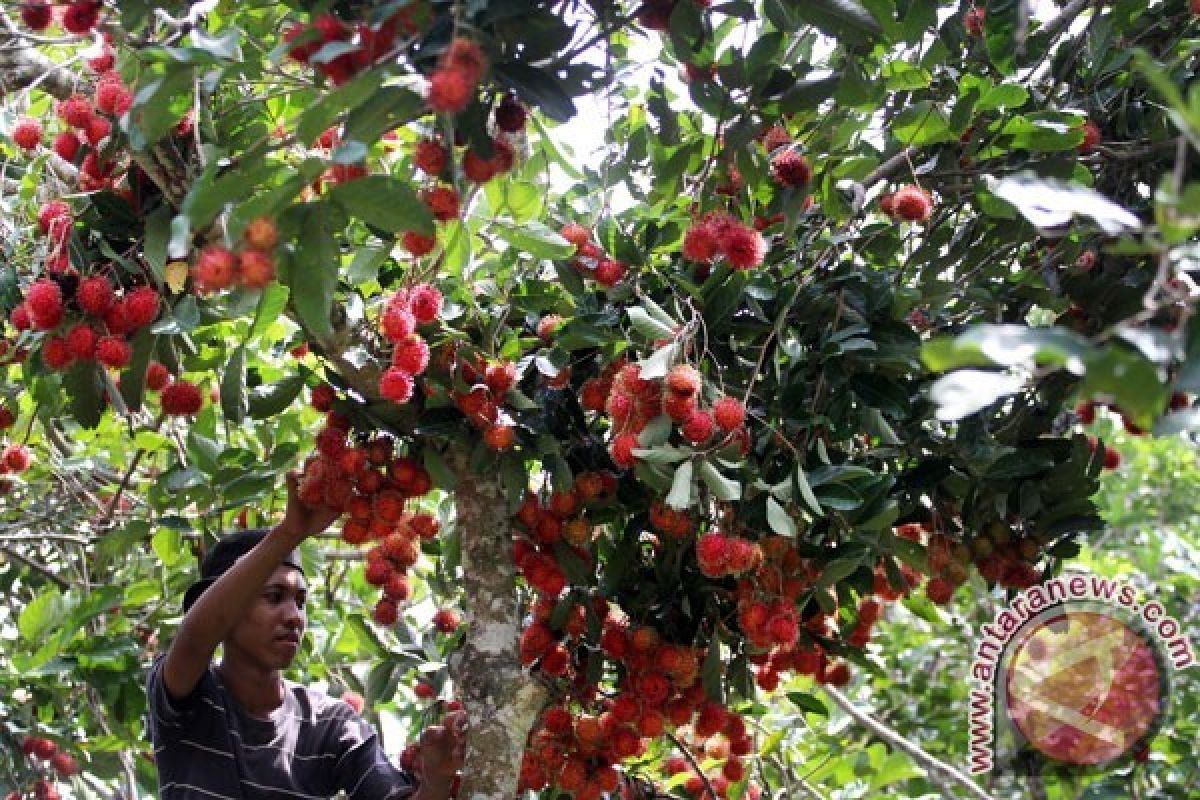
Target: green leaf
{"points": [[365, 266], [39, 614], [271, 304], [271, 399], [133, 379], [225, 46], [923, 123], [535, 238], [536, 87], [390, 107], [836, 570], [321, 114], [386, 203], [648, 325], [659, 362], [158, 233], [1007, 346], [233, 387], [780, 521], [806, 491], [313, 276], [902, 76], [845, 20], [84, 385], [724, 489], [807, 702], [680, 496]]}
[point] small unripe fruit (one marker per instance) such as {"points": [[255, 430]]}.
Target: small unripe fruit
{"points": [[214, 270], [261, 234], [256, 269], [499, 437]]}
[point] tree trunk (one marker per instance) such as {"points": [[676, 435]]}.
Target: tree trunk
{"points": [[502, 700]]}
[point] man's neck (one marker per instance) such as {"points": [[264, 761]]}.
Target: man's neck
{"points": [[258, 691]]}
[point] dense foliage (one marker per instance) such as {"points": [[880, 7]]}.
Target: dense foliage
{"points": [[821, 326]]}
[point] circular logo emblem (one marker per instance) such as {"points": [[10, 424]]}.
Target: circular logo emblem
{"points": [[1083, 687]]}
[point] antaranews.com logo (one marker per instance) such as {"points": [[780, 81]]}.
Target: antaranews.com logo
{"points": [[1076, 669]]}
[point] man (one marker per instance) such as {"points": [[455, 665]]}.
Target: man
{"points": [[238, 729]]}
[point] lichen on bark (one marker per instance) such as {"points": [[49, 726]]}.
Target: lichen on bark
{"points": [[502, 700]]}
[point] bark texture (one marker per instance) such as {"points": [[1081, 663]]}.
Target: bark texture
{"points": [[502, 700]]}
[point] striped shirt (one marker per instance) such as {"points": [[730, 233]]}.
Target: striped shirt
{"points": [[313, 746]]}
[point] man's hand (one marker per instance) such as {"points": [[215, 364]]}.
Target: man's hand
{"points": [[301, 521], [441, 756]]}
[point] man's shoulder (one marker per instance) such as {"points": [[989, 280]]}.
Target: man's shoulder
{"points": [[319, 706]]}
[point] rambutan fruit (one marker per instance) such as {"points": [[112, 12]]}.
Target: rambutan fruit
{"points": [[113, 351], [431, 157], [912, 203], [411, 354], [157, 377], [729, 413], [396, 385], [790, 168], [27, 134], [94, 295], [141, 307], [44, 302], [256, 269], [182, 399]]}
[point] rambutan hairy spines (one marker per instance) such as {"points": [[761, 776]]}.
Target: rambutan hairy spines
{"points": [[94, 295], [182, 399], [729, 413], [411, 354], [44, 301], [912, 203], [396, 385], [791, 169], [113, 351]]}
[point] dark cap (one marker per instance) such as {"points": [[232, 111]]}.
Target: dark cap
{"points": [[224, 554]]}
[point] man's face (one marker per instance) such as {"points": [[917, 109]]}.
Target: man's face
{"points": [[270, 633]]}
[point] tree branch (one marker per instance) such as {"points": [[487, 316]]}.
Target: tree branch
{"points": [[914, 751], [62, 582]]}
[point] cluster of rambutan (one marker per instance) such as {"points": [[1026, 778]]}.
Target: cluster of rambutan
{"points": [[633, 401], [38, 748], [218, 268], [578, 743], [719, 555], [482, 402], [910, 203], [766, 601], [97, 332], [560, 518], [432, 157], [374, 486], [590, 259], [78, 17], [354, 47], [403, 312], [730, 746], [719, 234], [675, 523]]}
